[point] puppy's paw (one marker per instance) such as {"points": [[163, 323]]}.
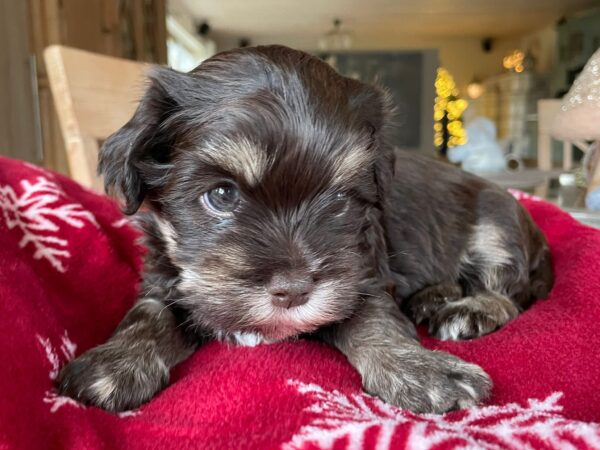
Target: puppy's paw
{"points": [[424, 304], [114, 376], [472, 317], [424, 381]]}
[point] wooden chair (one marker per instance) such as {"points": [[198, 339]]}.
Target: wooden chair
{"points": [[94, 95], [547, 110], [538, 179]]}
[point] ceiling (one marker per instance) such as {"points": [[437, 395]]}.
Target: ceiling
{"points": [[301, 22]]}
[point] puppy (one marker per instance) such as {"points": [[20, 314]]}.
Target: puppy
{"points": [[275, 210]]}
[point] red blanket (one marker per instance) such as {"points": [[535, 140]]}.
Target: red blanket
{"points": [[68, 272]]}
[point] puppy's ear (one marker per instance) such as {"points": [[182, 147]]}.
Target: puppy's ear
{"points": [[376, 110], [136, 158]]}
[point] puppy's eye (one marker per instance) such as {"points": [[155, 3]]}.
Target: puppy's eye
{"points": [[222, 200]]}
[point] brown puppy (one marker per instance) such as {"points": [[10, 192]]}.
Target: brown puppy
{"points": [[275, 212]]}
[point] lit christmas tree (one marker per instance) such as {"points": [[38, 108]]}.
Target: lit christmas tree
{"points": [[447, 113]]}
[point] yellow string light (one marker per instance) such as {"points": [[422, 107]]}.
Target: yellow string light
{"points": [[514, 61], [447, 104]]}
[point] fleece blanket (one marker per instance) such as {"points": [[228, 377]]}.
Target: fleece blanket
{"points": [[69, 266]]}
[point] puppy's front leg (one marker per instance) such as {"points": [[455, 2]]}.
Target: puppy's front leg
{"points": [[133, 365], [381, 344]]}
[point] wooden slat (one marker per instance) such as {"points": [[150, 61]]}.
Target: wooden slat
{"points": [[547, 109], [18, 135], [595, 170], [54, 154], [160, 26], [567, 156], [104, 90], [138, 30], [110, 28], [46, 29]]}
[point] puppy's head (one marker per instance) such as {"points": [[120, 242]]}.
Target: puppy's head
{"points": [[264, 168]]}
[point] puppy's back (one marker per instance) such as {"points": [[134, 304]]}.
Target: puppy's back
{"points": [[432, 212]]}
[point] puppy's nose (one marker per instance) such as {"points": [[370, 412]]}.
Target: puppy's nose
{"points": [[289, 291]]}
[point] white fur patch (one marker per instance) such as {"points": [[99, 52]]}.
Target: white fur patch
{"points": [[435, 397], [168, 234], [461, 322], [487, 251], [150, 301], [350, 163], [488, 242], [466, 387], [190, 280], [103, 388], [454, 328], [249, 339]]}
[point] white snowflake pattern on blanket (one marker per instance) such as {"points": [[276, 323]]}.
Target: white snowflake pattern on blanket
{"points": [[67, 353], [57, 358], [39, 212], [336, 416]]}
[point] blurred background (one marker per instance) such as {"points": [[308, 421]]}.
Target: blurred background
{"points": [[468, 76]]}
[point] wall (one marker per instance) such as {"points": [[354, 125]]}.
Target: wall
{"points": [[578, 37], [542, 45], [463, 57]]}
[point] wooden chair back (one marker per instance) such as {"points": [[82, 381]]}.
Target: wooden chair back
{"points": [[94, 95], [547, 110]]}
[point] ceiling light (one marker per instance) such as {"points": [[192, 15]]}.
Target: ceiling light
{"points": [[336, 39]]}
